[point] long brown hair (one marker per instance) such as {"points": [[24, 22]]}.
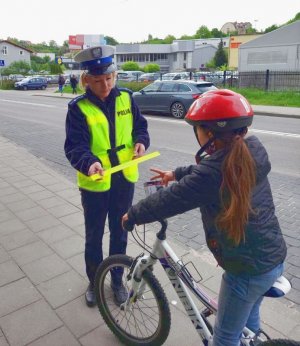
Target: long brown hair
{"points": [[239, 176]]}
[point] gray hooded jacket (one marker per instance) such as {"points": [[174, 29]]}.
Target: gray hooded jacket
{"points": [[198, 186]]}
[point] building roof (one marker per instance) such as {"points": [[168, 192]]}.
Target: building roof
{"points": [[285, 36], [16, 45]]}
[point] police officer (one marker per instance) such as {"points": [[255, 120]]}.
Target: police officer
{"points": [[104, 128]]}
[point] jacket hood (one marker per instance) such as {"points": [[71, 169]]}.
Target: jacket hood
{"points": [[260, 155]]}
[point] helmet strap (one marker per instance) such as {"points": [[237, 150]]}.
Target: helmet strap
{"points": [[202, 153]]}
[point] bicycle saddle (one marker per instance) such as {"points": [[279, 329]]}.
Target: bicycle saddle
{"points": [[280, 288]]}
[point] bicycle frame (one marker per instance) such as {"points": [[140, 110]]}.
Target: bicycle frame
{"points": [[181, 280]]}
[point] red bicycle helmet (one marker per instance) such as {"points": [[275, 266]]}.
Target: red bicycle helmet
{"points": [[220, 110]]}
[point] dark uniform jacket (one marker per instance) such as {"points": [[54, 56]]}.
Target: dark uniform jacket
{"points": [[198, 186], [77, 144]]}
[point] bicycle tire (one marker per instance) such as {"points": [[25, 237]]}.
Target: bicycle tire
{"points": [[127, 325], [280, 342]]}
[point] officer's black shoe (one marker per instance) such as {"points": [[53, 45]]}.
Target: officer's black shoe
{"points": [[120, 294], [90, 297]]}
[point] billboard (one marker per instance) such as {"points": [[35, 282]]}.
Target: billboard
{"points": [[78, 42]]}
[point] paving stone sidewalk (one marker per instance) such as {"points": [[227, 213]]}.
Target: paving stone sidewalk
{"points": [[42, 276]]}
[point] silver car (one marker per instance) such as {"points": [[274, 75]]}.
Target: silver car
{"points": [[170, 97]]}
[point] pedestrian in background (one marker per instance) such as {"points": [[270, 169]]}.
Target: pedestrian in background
{"points": [[61, 83], [104, 128], [74, 82]]}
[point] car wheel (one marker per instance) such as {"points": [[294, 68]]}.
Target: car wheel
{"points": [[43, 87], [177, 110], [25, 88]]}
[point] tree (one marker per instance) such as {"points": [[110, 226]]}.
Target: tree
{"points": [[169, 39], [131, 66], [152, 68], [111, 41], [216, 33], [271, 28], [52, 43], [186, 37], [18, 67], [55, 68], [203, 32], [220, 57]]}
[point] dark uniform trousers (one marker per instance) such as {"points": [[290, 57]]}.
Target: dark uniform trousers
{"points": [[113, 204]]}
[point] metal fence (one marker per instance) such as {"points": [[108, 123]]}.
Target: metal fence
{"points": [[265, 80]]}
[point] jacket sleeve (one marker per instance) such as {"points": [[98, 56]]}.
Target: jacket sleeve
{"points": [[140, 126], [77, 143], [180, 172], [194, 190]]}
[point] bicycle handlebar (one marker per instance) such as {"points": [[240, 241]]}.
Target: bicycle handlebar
{"points": [[129, 225]]}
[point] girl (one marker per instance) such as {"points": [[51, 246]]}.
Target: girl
{"points": [[230, 186]]}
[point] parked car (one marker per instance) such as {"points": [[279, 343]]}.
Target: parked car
{"points": [[150, 77], [52, 79], [32, 83], [171, 97], [129, 76], [16, 77], [176, 75], [201, 75]]}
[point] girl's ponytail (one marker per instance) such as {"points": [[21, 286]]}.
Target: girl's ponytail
{"points": [[239, 176]]}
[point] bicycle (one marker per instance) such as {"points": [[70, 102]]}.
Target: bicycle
{"points": [[144, 318]]}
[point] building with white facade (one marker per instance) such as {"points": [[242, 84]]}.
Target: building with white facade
{"points": [[181, 55], [11, 52]]}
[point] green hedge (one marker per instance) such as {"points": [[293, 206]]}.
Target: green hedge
{"points": [[7, 84]]}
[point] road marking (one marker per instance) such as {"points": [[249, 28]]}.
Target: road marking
{"points": [[283, 134], [266, 132], [29, 103]]}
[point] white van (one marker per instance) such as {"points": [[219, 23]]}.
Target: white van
{"points": [[129, 76]]}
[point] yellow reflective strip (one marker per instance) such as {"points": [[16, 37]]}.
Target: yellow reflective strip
{"points": [[120, 167]]}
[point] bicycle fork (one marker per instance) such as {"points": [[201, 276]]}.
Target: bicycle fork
{"points": [[137, 283]]}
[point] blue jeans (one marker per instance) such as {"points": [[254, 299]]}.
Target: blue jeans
{"points": [[238, 305]]}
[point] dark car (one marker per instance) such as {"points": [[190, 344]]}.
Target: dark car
{"points": [[171, 97], [32, 83], [52, 79]]}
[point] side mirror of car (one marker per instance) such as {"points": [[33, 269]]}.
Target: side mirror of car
{"points": [[142, 92]]}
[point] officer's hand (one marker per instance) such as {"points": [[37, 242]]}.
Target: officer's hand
{"points": [[139, 150], [164, 176], [95, 168]]}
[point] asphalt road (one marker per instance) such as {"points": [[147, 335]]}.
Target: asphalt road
{"points": [[42, 120]]}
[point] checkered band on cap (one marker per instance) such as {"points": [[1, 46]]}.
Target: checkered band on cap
{"points": [[94, 57]]}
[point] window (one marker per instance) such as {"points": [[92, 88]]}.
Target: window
{"points": [[167, 87], [184, 56], [183, 87], [152, 87], [4, 50], [21, 52]]}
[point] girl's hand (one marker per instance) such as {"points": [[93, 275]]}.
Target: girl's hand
{"points": [[164, 176]]}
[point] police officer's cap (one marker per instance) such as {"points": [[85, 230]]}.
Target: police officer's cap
{"points": [[97, 60]]}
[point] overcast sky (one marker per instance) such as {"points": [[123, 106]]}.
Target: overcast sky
{"points": [[132, 20]]}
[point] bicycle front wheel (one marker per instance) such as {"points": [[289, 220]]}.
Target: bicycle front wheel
{"points": [[148, 320], [280, 342]]}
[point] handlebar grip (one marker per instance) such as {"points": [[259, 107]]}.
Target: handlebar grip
{"points": [[128, 226]]}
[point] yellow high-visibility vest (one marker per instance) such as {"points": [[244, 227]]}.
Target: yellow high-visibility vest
{"points": [[100, 142]]}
